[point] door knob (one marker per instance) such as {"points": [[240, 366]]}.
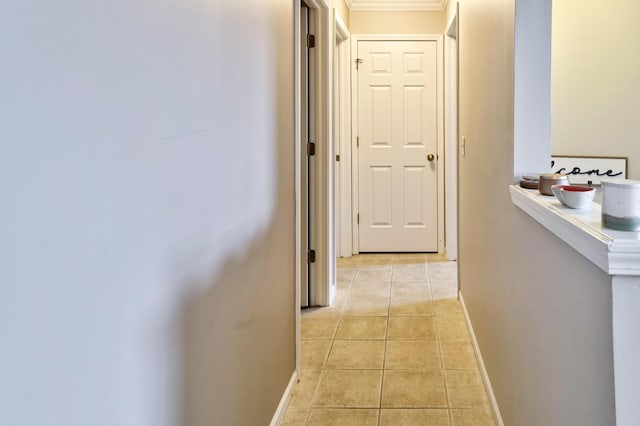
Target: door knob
{"points": [[430, 157]]}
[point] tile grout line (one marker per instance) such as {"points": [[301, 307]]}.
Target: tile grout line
{"points": [[386, 338]]}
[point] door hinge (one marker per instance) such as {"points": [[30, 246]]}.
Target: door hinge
{"points": [[358, 218], [358, 62], [311, 40], [311, 256], [311, 148], [357, 141], [337, 158]]}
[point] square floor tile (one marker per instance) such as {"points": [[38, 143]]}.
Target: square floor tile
{"points": [[413, 389], [349, 388], [465, 389], [409, 273], [416, 354], [414, 327], [362, 328], [463, 377], [314, 353], [358, 305], [442, 271], [373, 275], [452, 329], [444, 291], [345, 275], [419, 417], [318, 327], [365, 288], [458, 355], [410, 306], [359, 354], [448, 308], [472, 417], [343, 417], [380, 259], [467, 396], [340, 299], [305, 389], [403, 306], [295, 417], [417, 290], [412, 258]]}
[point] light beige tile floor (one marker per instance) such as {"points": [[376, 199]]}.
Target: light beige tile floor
{"points": [[393, 349]]}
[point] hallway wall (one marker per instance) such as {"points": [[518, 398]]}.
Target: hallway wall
{"points": [[540, 311], [343, 11], [147, 228], [397, 22], [596, 47]]}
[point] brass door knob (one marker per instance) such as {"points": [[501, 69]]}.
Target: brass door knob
{"points": [[430, 157]]}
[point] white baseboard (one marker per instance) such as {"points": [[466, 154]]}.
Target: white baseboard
{"points": [[278, 416], [483, 371]]}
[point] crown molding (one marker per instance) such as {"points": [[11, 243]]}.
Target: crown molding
{"points": [[397, 4]]}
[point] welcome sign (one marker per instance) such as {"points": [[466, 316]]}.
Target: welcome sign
{"points": [[589, 169]]}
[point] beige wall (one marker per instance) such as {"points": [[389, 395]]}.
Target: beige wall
{"points": [[595, 80], [148, 212], [343, 11], [239, 332], [540, 311], [388, 22]]}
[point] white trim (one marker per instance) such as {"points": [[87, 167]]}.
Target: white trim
{"points": [[325, 267], [278, 416], [438, 38], [297, 173], [342, 128], [483, 370], [615, 252], [355, 246], [342, 32]]}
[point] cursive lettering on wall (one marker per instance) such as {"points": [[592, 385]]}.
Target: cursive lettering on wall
{"points": [[579, 171], [589, 170]]}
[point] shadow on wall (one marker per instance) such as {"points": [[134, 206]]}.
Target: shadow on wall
{"points": [[238, 339], [238, 333]]}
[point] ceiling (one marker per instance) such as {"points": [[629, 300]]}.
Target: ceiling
{"points": [[397, 4]]}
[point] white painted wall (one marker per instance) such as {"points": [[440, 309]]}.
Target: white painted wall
{"points": [[595, 80], [532, 83], [147, 220]]}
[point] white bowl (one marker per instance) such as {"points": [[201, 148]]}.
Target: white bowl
{"points": [[573, 196]]}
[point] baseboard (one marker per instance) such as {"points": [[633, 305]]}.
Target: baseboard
{"points": [[483, 371], [278, 416]]}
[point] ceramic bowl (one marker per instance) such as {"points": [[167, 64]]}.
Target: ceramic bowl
{"points": [[573, 196]]}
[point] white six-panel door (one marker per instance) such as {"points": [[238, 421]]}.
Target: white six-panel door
{"points": [[397, 131]]}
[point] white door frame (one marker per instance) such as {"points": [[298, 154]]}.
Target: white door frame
{"points": [[438, 38], [326, 261], [324, 272], [342, 139], [451, 137], [297, 172]]}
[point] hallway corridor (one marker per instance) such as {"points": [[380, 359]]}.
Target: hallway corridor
{"points": [[392, 350]]}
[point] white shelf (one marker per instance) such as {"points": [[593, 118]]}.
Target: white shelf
{"points": [[615, 252]]}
